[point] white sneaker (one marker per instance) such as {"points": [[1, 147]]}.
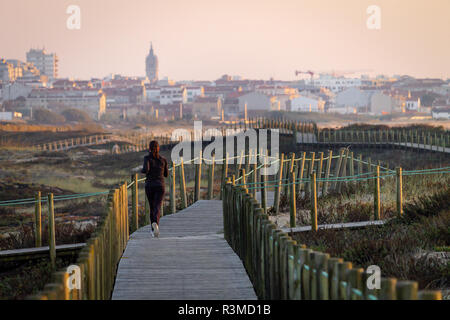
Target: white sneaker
{"points": [[155, 229]]}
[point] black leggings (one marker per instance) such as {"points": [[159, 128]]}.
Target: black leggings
{"points": [[155, 196]]}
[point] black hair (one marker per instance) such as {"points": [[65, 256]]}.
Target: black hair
{"points": [[153, 148]]}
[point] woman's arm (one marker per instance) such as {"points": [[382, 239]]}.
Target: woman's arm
{"points": [[145, 167]]}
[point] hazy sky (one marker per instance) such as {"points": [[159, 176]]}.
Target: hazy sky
{"points": [[203, 39]]}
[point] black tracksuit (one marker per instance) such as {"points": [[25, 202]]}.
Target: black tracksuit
{"points": [[155, 169]]}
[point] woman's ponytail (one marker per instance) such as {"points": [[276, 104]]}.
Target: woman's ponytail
{"points": [[154, 149]]}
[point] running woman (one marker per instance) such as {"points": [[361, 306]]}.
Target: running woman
{"points": [[155, 168]]}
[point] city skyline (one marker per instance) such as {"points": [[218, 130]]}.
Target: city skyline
{"points": [[202, 40]]}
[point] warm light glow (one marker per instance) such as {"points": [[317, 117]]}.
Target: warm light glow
{"points": [[203, 39]]}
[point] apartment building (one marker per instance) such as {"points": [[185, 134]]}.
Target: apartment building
{"points": [[46, 63]]}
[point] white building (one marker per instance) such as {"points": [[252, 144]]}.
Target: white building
{"points": [[7, 72], [413, 105], [9, 116], [14, 90], [92, 101], [342, 110], [193, 92], [152, 93], [381, 103], [335, 84], [441, 113], [306, 104], [354, 98], [273, 90], [256, 101], [173, 95], [46, 63]]}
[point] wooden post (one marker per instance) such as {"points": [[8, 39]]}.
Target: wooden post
{"points": [[314, 226], [224, 174], [51, 231], [399, 191], [376, 196], [255, 179], [333, 277], [211, 178], [134, 203], [278, 187], [182, 185], [327, 173], [263, 189], [319, 171], [360, 165], [338, 168], [239, 165], [244, 181], [343, 172], [173, 204], [352, 165], [343, 270], [300, 172], [289, 169], [292, 204], [38, 221], [407, 290], [198, 178], [430, 295]]}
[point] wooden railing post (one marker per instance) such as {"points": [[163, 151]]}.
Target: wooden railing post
{"points": [[399, 191], [173, 204], [134, 203], [278, 187], [407, 290], [38, 220], [292, 196], [224, 173], [338, 168], [198, 178], [376, 195], [300, 172], [314, 226], [211, 178], [319, 171], [255, 179], [263, 189], [327, 172], [51, 230], [182, 185]]}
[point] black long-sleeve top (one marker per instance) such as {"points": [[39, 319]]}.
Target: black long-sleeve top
{"points": [[155, 169]]}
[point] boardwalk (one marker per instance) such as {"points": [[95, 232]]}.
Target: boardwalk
{"points": [[190, 261]]}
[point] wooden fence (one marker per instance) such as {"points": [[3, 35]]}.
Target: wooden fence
{"points": [[97, 261], [134, 143], [279, 268], [308, 132]]}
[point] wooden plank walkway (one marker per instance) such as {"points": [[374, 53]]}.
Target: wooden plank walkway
{"points": [[189, 261]]}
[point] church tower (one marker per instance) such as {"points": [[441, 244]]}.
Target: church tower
{"points": [[151, 65]]}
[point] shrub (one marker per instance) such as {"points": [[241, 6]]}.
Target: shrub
{"points": [[47, 116], [76, 115]]}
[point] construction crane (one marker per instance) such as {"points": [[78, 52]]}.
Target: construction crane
{"points": [[311, 73]]}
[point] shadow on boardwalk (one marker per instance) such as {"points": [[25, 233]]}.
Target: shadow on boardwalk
{"points": [[189, 261]]}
